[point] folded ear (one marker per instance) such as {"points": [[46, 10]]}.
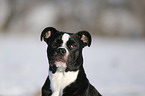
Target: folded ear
{"points": [[47, 33], [85, 38]]}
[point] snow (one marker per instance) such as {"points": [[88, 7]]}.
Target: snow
{"points": [[114, 66]]}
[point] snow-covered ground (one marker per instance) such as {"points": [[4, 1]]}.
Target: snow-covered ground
{"points": [[116, 67]]}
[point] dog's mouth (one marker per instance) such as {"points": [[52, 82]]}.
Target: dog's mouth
{"points": [[59, 63], [60, 60]]}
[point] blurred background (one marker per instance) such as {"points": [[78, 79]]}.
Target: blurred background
{"points": [[114, 64]]}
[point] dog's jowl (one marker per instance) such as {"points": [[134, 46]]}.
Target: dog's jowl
{"points": [[66, 73]]}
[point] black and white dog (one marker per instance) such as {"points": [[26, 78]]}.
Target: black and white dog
{"points": [[66, 73]]}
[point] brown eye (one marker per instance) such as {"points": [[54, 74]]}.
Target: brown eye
{"points": [[73, 46], [54, 44]]}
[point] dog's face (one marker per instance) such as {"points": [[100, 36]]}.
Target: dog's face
{"points": [[65, 49]]}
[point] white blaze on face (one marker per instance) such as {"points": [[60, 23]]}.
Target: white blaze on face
{"points": [[61, 65], [65, 38]]}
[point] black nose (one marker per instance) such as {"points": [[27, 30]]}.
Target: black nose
{"points": [[61, 51]]}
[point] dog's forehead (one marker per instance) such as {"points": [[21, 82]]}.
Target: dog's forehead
{"points": [[65, 37]]}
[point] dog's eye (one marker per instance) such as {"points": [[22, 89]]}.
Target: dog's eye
{"points": [[73, 46], [54, 44]]}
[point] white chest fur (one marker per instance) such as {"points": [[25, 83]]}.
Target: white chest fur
{"points": [[59, 80]]}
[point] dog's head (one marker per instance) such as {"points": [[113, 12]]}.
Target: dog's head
{"points": [[65, 49]]}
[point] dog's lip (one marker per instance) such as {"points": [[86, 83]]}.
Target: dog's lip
{"points": [[60, 60], [57, 60]]}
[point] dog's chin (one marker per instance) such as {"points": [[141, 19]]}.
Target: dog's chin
{"points": [[61, 66]]}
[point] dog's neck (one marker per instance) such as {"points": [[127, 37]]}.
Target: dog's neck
{"points": [[59, 80]]}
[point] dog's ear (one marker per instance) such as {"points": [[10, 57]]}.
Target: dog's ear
{"points": [[85, 38], [47, 33]]}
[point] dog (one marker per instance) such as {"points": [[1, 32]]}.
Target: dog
{"points": [[66, 73]]}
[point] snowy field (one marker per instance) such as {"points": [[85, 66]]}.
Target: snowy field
{"points": [[116, 67]]}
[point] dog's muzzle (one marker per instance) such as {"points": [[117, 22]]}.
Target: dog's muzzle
{"points": [[60, 59]]}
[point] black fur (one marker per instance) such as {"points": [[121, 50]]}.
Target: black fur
{"points": [[81, 86]]}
